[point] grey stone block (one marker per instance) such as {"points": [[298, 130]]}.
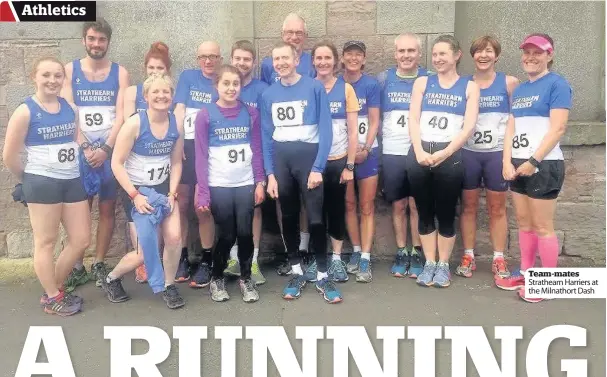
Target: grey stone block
{"points": [[20, 244], [41, 30], [396, 17], [15, 94], [11, 65], [351, 17], [269, 16]]}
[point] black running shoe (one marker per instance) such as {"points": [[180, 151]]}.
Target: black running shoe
{"points": [[172, 297], [202, 277], [115, 291]]}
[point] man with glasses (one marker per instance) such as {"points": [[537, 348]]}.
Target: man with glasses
{"points": [[295, 33], [195, 90]]}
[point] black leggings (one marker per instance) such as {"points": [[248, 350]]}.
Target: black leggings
{"points": [[232, 209], [436, 190], [292, 165], [334, 206]]}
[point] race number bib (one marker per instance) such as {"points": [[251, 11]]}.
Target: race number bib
{"points": [[96, 118], [399, 122], [63, 156], [521, 145], [189, 123], [439, 127], [156, 172], [485, 136], [287, 114], [363, 129]]}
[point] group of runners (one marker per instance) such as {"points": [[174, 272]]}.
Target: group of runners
{"points": [[215, 145]]}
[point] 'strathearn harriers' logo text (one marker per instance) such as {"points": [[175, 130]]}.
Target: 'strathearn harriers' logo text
{"points": [[47, 11]]}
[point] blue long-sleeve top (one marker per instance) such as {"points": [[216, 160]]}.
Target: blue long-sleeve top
{"points": [[299, 112]]}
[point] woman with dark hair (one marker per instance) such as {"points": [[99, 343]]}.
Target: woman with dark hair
{"points": [[230, 178], [442, 116]]}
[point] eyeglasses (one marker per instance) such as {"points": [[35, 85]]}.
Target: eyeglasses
{"points": [[291, 33], [210, 57]]}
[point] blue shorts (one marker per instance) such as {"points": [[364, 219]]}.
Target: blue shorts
{"points": [[394, 177], [485, 167], [108, 189], [369, 167]]}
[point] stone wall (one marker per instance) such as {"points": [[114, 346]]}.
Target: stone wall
{"points": [[580, 217]]}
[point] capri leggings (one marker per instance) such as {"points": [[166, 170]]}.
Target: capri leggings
{"points": [[436, 190], [292, 165], [232, 209], [335, 199]]}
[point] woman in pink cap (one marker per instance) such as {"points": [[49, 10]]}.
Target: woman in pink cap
{"points": [[533, 160]]}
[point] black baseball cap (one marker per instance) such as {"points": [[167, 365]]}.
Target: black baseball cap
{"points": [[355, 44]]}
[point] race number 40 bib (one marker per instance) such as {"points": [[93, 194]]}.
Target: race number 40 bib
{"points": [[287, 114], [189, 123], [63, 156], [440, 127], [156, 172]]}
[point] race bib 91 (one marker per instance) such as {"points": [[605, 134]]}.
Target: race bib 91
{"points": [[287, 114]]}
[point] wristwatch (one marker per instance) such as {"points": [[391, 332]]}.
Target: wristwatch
{"points": [[85, 145], [106, 148], [350, 167], [533, 162], [262, 183]]}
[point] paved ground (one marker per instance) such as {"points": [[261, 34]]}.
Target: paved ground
{"points": [[387, 301]]}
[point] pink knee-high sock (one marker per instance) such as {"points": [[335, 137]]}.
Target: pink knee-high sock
{"points": [[549, 251], [528, 243]]}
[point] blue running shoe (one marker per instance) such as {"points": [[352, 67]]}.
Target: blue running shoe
{"points": [[364, 271], [425, 279], [337, 271], [400, 266], [442, 277], [294, 287], [310, 273], [416, 264], [352, 266], [329, 291]]}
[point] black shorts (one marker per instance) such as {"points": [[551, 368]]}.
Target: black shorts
{"points": [[188, 174], [127, 203], [395, 179], [39, 189], [545, 184]]}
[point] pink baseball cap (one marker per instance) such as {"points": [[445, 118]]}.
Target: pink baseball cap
{"points": [[539, 42]]}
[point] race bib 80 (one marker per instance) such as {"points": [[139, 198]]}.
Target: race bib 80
{"points": [[287, 114]]}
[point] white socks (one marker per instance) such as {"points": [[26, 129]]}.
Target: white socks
{"points": [[469, 252], [366, 256], [336, 256], [305, 240], [255, 254], [498, 254], [296, 268], [321, 275], [356, 249]]}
